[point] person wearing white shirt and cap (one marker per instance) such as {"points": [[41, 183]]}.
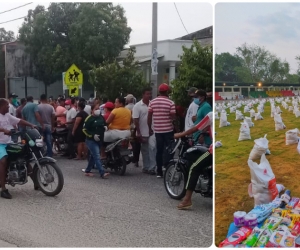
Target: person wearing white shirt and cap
{"points": [[130, 100], [192, 110], [13, 104]]}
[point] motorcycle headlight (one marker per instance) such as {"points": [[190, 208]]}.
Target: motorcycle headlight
{"points": [[39, 143]]}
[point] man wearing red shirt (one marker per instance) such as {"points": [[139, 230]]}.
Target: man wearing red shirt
{"points": [[162, 112]]}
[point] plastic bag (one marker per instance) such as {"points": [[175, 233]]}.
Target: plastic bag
{"points": [[291, 137], [218, 144], [258, 116], [263, 181], [244, 132], [223, 120], [298, 147], [249, 121], [260, 147], [279, 125]]}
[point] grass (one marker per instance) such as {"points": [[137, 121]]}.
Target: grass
{"points": [[232, 171]]}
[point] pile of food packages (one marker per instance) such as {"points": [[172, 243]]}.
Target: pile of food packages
{"points": [[276, 224]]}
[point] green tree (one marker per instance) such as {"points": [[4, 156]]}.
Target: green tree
{"points": [[113, 79], [6, 36], [225, 67], [86, 34], [195, 71], [259, 64]]}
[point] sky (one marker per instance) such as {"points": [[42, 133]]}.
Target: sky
{"points": [[195, 16], [276, 26]]}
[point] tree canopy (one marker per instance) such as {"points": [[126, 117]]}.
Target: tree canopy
{"points": [[113, 79], [6, 36], [86, 34], [195, 71], [252, 63]]}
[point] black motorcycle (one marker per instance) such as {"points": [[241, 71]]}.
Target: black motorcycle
{"points": [[60, 136], [177, 170], [118, 156], [45, 173]]}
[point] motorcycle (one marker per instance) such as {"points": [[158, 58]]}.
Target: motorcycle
{"points": [[29, 150], [177, 170], [60, 136], [117, 156]]}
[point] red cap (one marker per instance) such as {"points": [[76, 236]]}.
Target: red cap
{"points": [[109, 105], [68, 102], [163, 87]]}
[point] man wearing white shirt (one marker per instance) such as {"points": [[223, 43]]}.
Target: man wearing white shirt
{"points": [[70, 118], [192, 110], [12, 100], [140, 118]]}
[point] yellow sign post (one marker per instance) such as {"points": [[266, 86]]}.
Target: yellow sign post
{"points": [[73, 76], [73, 90]]}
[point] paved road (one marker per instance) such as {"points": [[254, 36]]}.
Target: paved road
{"points": [[124, 211]]}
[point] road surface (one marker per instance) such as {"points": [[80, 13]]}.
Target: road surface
{"points": [[123, 211]]}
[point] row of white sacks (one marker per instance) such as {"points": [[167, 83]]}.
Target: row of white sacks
{"points": [[263, 185]]}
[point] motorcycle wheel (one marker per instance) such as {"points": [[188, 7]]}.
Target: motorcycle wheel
{"points": [[121, 168], [53, 175], [178, 183]]}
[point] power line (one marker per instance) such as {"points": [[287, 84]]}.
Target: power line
{"points": [[13, 19], [180, 18], [16, 8]]}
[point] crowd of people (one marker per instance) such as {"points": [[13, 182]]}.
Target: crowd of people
{"points": [[151, 123]]}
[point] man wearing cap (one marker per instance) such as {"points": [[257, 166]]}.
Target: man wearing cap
{"points": [[163, 113], [192, 110], [108, 107], [203, 110], [13, 103], [130, 102]]}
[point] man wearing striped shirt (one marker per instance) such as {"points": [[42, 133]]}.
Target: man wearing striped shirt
{"points": [[162, 111]]}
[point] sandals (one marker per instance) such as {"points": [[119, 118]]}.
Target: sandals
{"points": [[89, 174], [105, 176], [184, 206]]}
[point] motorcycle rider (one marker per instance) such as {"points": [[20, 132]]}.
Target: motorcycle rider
{"points": [[204, 160], [7, 122]]}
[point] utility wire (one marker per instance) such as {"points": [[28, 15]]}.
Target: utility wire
{"points": [[16, 8], [180, 18], [13, 19]]}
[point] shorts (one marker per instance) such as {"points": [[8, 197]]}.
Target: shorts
{"points": [[3, 152]]}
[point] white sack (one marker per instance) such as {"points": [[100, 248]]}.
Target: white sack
{"points": [[258, 117], [244, 132], [223, 120], [263, 181], [260, 147], [291, 137]]}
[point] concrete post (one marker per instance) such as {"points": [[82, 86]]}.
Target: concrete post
{"points": [[172, 72]]}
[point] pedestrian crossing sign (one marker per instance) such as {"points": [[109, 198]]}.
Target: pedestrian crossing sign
{"points": [[73, 76], [73, 90]]}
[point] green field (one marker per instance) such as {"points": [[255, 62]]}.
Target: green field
{"points": [[232, 171]]}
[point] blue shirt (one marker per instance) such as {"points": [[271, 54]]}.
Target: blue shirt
{"points": [[28, 113], [203, 110]]}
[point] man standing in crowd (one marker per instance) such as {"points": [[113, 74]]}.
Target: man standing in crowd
{"points": [[61, 112], [47, 114], [130, 102], [70, 118], [192, 110], [87, 108], [13, 103], [162, 111], [140, 117], [19, 112], [30, 113]]}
